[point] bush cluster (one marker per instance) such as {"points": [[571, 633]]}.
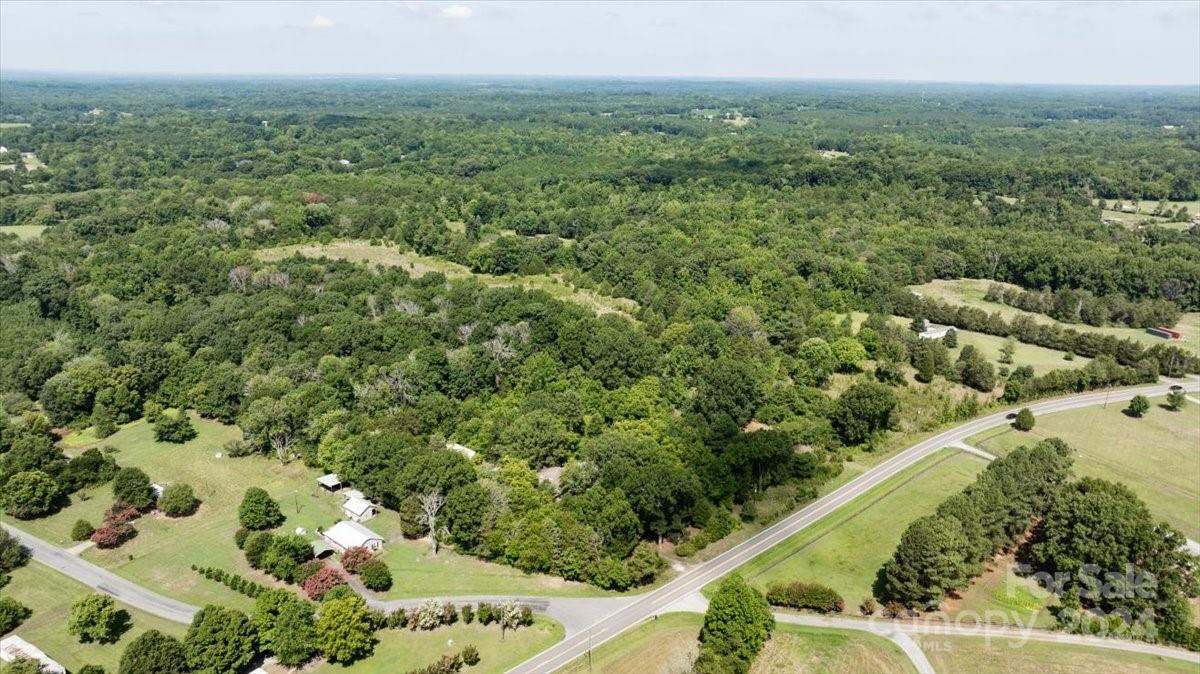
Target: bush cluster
{"points": [[231, 580], [317, 585], [811, 596], [720, 524], [454, 662]]}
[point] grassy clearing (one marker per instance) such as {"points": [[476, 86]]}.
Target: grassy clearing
{"points": [[419, 265], [669, 644], [971, 292], [418, 574], [847, 548], [795, 648], [50, 595], [1000, 597], [23, 232], [1006, 656], [1156, 456], [15, 125], [404, 650]]}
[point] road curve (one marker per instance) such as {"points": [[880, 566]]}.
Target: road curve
{"points": [[103, 580], [647, 605]]}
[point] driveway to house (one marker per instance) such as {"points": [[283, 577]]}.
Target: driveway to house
{"points": [[103, 580], [644, 606]]}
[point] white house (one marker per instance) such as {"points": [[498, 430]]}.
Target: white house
{"points": [[13, 647], [347, 534], [935, 331], [358, 509]]}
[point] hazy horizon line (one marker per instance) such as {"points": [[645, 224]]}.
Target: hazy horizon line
{"points": [[213, 75]]}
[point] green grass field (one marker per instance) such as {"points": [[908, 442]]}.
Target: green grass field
{"points": [[1157, 456], [952, 654], [971, 292], [23, 232], [419, 265], [50, 595], [845, 549], [161, 555], [406, 650], [668, 645]]}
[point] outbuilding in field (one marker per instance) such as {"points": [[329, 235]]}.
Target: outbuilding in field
{"points": [[347, 534], [330, 482], [358, 509]]}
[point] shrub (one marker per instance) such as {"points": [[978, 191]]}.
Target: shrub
{"points": [[868, 606], [258, 510], [232, 581], [174, 426], [485, 613], [322, 582], [429, 615], [449, 614], [1024, 420], [340, 592], [1138, 406], [353, 558], [12, 614], [239, 538], [470, 655], [397, 619], [121, 512], [307, 570], [237, 448], [1176, 400], [805, 596], [112, 535], [82, 530], [132, 486], [178, 500], [468, 614], [375, 575]]}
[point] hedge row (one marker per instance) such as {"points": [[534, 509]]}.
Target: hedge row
{"points": [[810, 596], [231, 580]]}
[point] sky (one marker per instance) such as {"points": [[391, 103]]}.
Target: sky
{"points": [[1144, 43]]}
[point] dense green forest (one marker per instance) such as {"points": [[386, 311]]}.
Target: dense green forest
{"points": [[746, 221]]}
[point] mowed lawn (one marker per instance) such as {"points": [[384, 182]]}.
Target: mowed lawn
{"points": [[669, 645], [847, 548], [953, 654], [1157, 456], [49, 595], [970, 292], [408, 650], [1000, 597]]}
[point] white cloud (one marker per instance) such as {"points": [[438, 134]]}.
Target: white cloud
{"points": [[431, 10], [457, 12], [320, 21]]}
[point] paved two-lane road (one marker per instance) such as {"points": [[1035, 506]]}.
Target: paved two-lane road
{"points": [[651, 603], [104, 580]]}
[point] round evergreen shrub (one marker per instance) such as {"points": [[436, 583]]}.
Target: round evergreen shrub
{"points": [[82, 530]]}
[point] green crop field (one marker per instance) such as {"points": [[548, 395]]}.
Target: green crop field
{"points": [[668, 645], [419, 265], [407, 650], [1006, 656], [970, 292], [845, 549], [1157, 456], [50, 595]]}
